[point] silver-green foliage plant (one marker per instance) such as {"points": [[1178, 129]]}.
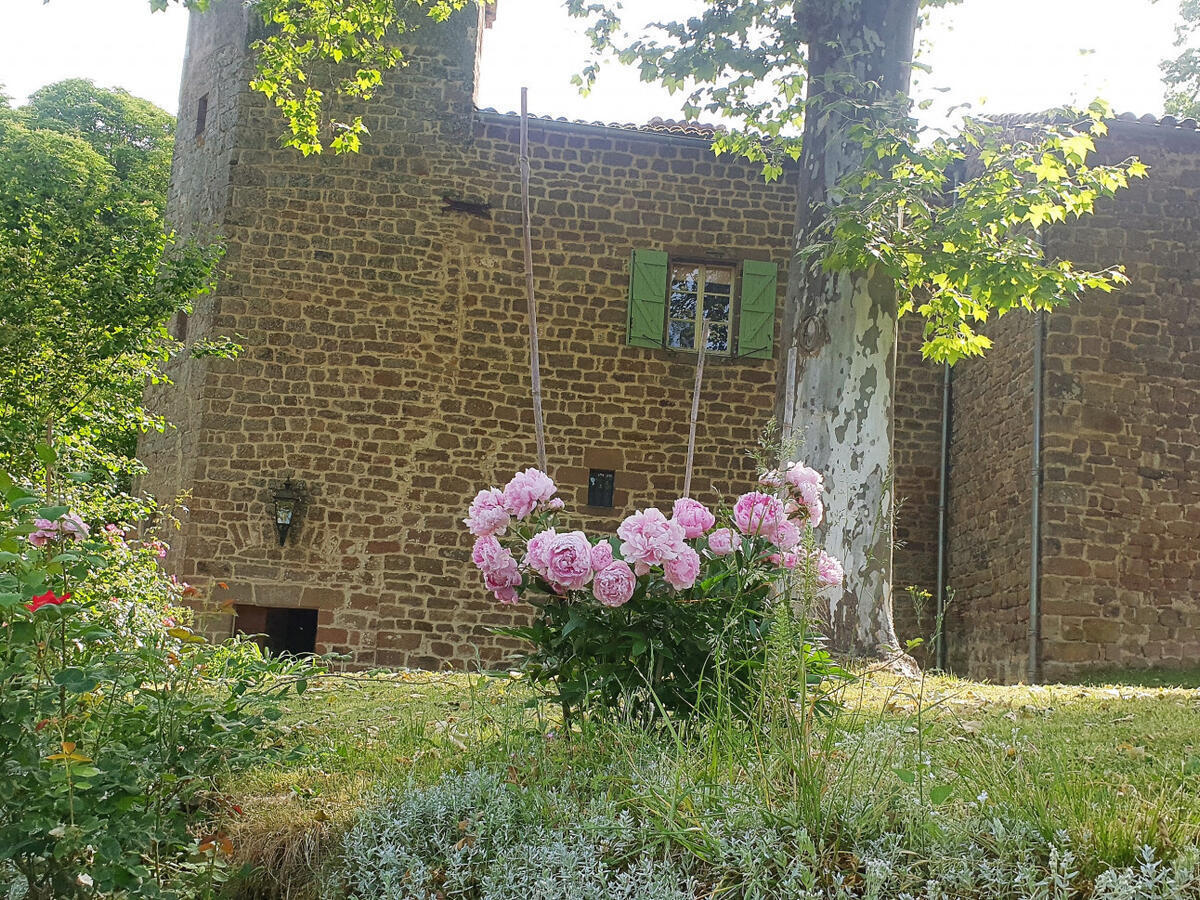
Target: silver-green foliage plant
{"points": [[477, 835]]}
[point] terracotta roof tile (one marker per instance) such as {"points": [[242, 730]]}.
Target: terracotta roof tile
{"points": [[698, 130]]}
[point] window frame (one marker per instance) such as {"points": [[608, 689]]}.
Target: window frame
{"points": [[703, 263]]}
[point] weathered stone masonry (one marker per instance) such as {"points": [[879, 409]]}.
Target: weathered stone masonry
{"points": [[386, 367]]}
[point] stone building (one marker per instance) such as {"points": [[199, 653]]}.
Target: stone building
{"points": [[380, 298]]}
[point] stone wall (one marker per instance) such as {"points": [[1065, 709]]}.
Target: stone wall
{"points": [[916, 451], [990, 507], [1121, 569], [386, 364], [386, 368]]}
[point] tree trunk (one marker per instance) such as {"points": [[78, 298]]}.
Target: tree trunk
{"points": [[837, 376]]}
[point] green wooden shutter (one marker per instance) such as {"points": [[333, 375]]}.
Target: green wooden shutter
{"points": [[647, 298], [756, 317]]}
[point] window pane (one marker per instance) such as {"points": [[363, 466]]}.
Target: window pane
{"points": [[682, 335], [718, 278], [683, 306], [716, 308], [718, 339], [685, 278]]}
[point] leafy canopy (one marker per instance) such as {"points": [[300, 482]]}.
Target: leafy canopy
{"points": [[320, 57], [1182, 74], [954, 219], [88, 276]]}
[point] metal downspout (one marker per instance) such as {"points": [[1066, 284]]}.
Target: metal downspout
{"points": [[1034, 668], [943, 491]]}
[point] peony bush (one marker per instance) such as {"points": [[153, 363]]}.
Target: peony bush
{"points": [[671, 612]]}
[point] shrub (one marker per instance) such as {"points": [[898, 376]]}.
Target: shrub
{"points": [[115, 718], [475, 835], [649, 620]]}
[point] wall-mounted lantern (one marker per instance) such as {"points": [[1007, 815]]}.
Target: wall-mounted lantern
{"points": [[288, 498]]}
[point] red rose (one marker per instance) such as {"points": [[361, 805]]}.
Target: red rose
{"points": [[47, 599]]}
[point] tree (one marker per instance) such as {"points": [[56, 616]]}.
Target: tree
{"points": [[317, 56], [887, 222], [1182, 74], [88, 276]]}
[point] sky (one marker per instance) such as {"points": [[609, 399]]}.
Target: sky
{"points": [[998, 55]]}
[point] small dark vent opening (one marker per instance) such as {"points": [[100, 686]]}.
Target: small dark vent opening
{"points": [[279, 631], [600, 487], [201, 115]]}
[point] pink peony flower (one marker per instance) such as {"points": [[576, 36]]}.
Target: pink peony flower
{"points": [[797, 475], [771, 479], [504, 577], [486, 552], [556, 504], [537, 554], [487, 514], [829, 570], [787, 535], [526, 490], [614, 584], [810, 496], [569, 561], [693, 516], [681, 571], [756, 513], [602, 556], [724, 541], [648, 538]]}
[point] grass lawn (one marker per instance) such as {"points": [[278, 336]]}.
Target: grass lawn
{"points": [[1050, 791]]}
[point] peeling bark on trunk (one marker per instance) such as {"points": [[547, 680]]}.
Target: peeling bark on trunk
{"points": [[837, 375]]}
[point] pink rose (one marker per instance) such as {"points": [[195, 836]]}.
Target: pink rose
{"points": [[648, 538], [681, 571], [526, 490], [487, 514], [723, 541], [602, 556], [810, 496], [614, 584], [47, 531], [757, 513], [787, 535], [569, 562], [537, 554], [829, 570], [74, 526], [693, 516]]}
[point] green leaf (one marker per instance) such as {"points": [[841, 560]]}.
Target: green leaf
{"points": [[906, 776], [940, 793]]}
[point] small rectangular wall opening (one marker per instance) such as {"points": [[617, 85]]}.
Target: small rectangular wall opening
{"points": [[201, 115], [278, 630], [600, 487]]}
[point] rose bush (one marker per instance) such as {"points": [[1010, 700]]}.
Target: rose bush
{"points": [[645, 621], [116, 719]]}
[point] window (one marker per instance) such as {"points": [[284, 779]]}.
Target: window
{"points": [[600, 487], [279, 631], [201, 115], [671, 301], [701, 294]]}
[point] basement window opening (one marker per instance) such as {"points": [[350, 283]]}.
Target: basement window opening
{"points": [[279, 631], [600, 487]]}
